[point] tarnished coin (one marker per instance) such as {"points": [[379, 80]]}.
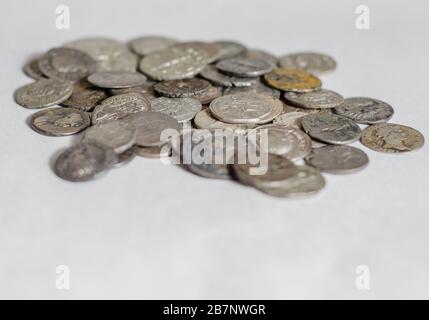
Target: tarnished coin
{"points": [[148, 44], [59, 121], [85, 96], [150, 126], [181, 109], [392, 138], [316, 63], [275, 112], [211, 49], [242, 107], [365, 110], [84, 161], [290, 119], [66, 63], [43, 93], [337, 159], [116, 79], [320, 99], [126, 157], [123, 60], [154, 152], [212, 74], [145, 89], [331, 128], [229, 49], [116, 135], [257, 87], [100, 49], [244, 67], [208, 95], [32, 69], [174, 63], [117, 107], [186, 88], [260, 54], [292, 80], [204, 120]]}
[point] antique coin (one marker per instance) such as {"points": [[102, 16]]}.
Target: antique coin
{"points": [[320, 99], [291, 119], [174, 63], [244, 67], [181, 109], [337, 159], [212, 74], [99, 49], [392, 138], [186, 88], [123, 60], [211, 49], [117, 107], [257, 87], [32, 70], [150, 126], [84, 161], [116, 135], [59, 121], [208, 95], [85, 96], [116, 79], [229, 49], [312, 62], [148, 44], [365, 110], [292, 80], [154, 152], [126, 157], [331, 128], [260, 54], [43, 93], [145, 89], [67, 64], [204, 120], [275, 112]]}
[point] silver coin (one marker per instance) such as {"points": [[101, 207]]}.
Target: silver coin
{"points": [[150, 126], [181, 109], [212, 74], [208, 95], [320, 99], [316, 63], [117, 107], [204, 120], [85, 96], [258, 87], [84, 161], [275, 112], [365, 110], [211, 49], [99, 49], [148, 44], [186, 88], [145, 89], [337, 159], [122, 61], [229, 49], [59, 121], [126, 157], [331, 128], [66, 63], [116, 79], [43, 93], [244, 67], [154, 152], [116, 135], [32, 69], [260, 54], [174, 63], [290, 119]]}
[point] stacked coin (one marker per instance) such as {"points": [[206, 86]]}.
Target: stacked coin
{"points": [[122, 97]]}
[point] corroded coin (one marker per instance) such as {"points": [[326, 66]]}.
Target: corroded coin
{"points": [[337, 159], [117, 107], [292, 80], [186, 88], [317, 63], [100, 49], [229, 49], [116, 79], [174, 63], [32, 69], [212, 74], [85, 96], [148, 44], [275, 112], [320, 99], [181, 109], [124, 60], [260, 54], [392, 138], [204, 120], [84, 161], [331, 128], [365, 110], [292, 119], [59, 121], [244, 67], [145, 89], [208, 95], [44, 93], [211, 49], [258, 87]]}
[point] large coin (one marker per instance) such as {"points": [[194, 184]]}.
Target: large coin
{"points": [[181, 109], [174, 63], [317, 63], [181, 88], [392, 138], [116, 79], [148, 44], [85, 96], [44, 93], [229, 49], [59, 121], [320, 99], [337, 159], [331, 128], [292, 80], [212, 74], [244, 67], [365, 110]]}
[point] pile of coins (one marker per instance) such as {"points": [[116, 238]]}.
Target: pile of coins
{"points": [[120, 98]]}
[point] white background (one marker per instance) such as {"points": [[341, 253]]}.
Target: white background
{"points": [[155, 231]]}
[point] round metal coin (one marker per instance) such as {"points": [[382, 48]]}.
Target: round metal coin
{"points": [[212, 74], [181, 109], [85, 96], [292, 80], [365, 110], [148, 44], [116, 79], [182, 88], [244, 67], [320, 99], [229, 49], [317, 63]]}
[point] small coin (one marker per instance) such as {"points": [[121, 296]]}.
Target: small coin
{"points": [[211, 49], [186, 88], [316, 63], [84, 161], [124, 60], [331, 128], [320, 99], [59, 121], [365, 110], [276, 111], [117, 79], [85, 96], [174, 63], [116, 135], [208, 95], [292, 80], [117, 107], [337, 159], [32, 70], [204, 120], [43, 93], [290, 119], [148, 44], [229, 49], [181, 109], [212, 74], [150, 127], [260, 54], [154, 152], [100, 49], [244, 67], [258, 87], [392, 138]]}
